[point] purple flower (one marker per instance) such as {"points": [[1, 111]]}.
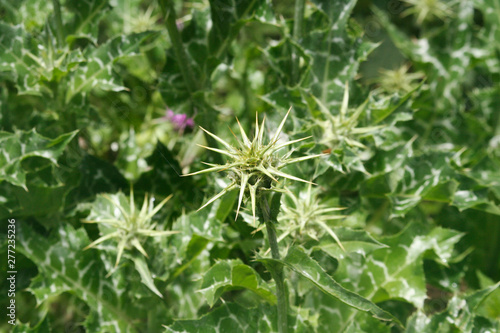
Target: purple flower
{"points": [[179, 121]]}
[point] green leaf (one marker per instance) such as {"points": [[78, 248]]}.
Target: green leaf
{"points": [[390, 275], [98, 71], [333, 314], [490, 308], [203, 223], [280, 58], [330, 53], [398, 270], [226, 206], [47, 186], [196, 230], [131, 157], [228, 16], [446, 70], [32, 61], [165, 176], [96, 176], [15, 58], [283, 96], [335, 53], [460, 316], [232, 317], [407, 179], [300, 262], [358, 241], [42, 327], [199, 60], [476, 199], [86, 17], [142, 267], [32, 14], [38, 200], [491, 29], [206, 40], [481, 188], [21, 145], [227, 318], [191, 253], [63, 266], [382, 108], [233, 274]]}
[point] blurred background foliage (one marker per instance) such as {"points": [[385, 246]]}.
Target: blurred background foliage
{"points": [[401, 96]]}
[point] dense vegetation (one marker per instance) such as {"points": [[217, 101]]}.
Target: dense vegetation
{"points": [[379, 190]]}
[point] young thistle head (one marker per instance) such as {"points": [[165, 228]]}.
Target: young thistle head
{"points": [[399, 80], [253, 166], [305, 214], [428, 10], [126, 224], [343, 126]]}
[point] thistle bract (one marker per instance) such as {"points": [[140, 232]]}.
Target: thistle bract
{"points": [[252, 165], [399, 80], [305, 214], [125, 223], [427, 10], [343, 127]]}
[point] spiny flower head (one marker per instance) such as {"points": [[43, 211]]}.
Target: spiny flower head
{"points": [[253, 166], [306, 215], [141, 21], [343, 127], [426, 10], [399, 80], [129, 226]]}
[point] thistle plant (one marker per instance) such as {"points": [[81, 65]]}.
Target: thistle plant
{"points": [[305, 214], [128, 225], [342, 127], [141, 21], [399, 80], [255, 168], [427, 10]]}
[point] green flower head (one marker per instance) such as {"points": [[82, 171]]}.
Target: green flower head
{"points": [[343, 127], [427, 10], [119, 219], [305, 214], [254, 166], [399, 80]]}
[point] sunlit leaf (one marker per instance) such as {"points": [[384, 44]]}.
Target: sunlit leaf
{"points": [[358, 241], [19, 146], [300, 262], [65, 267], [98, 72], [232, 316], [460, 316], [233, 274]]}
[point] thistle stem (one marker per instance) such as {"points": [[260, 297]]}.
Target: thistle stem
{"points": [[59, 24], [167, 8], [297, 31], [277, 271]]}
